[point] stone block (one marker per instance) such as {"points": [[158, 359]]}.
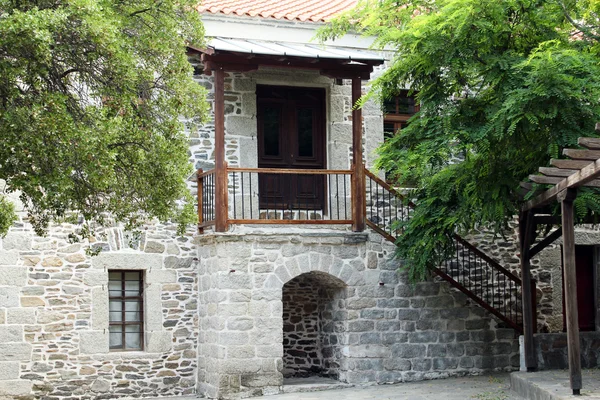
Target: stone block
{"points": [[91, 342], [132, 260], [9, 297], [153, 307], [15, 351], [154, 247], [28, 301], [8, 258], [100, 307], [366, 351], [15, 388], [172, 262], [95, 278], [161, 276], [13, 276], [234, 280], [11, 333], [240, 125], [261, 380], [9, 370], [409, 350], [17, 241], [159, 342]]}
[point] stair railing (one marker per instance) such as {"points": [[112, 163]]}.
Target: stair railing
{"points": [[470, 270]]}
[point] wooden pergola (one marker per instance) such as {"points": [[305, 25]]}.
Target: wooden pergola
{"points": [[567, 175]]}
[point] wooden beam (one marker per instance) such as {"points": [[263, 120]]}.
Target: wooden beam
{"points": [[577, 154], [566, 198], [589, 143], [221, 206], [359, 202], [550, 180], [569, 164], [545, 242], [589, 173], [557, 172], [526, 229]]}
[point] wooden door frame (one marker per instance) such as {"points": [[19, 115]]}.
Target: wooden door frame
{"points": [[289, 145]]}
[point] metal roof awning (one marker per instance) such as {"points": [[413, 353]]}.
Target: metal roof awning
{"points": [[247, 55], [293, 50]]}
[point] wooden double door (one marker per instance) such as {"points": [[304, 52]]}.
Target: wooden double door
{"points": [[291, 135]]}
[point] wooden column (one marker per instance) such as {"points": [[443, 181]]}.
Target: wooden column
{"points": [[526, 228], [221, 207], [200, 184], [566, 198], [359, 194]]}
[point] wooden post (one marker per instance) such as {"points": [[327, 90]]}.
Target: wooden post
{"points": [[566, 198], [534, 305], [525, 235], [221, 206], [359, 194], [200, 185]]}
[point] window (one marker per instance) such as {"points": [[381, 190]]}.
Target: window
{"points": [[397, 111], [126, 310]]}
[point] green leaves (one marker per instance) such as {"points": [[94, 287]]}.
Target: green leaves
{"points": [[504, 85], [92, 95]]}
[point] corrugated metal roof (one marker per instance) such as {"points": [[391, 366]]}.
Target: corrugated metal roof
{"points": [[293, 10], [291, 49]]}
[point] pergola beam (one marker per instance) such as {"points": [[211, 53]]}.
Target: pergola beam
{"points": [[585, 175], [569, 164], [589, 143], [553, 180]]}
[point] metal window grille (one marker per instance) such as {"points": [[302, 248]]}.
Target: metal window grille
{"points": [[126, 310]]}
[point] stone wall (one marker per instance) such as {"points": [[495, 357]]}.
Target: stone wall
{"points": [[301, 339], [54, 314], [387, 330], [311, 307], [551, 350]]}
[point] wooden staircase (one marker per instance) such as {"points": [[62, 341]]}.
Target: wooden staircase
{"points": [[469, 270]]}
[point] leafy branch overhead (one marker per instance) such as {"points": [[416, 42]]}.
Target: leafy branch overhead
{"points": [[503, 85], [91, 98]]}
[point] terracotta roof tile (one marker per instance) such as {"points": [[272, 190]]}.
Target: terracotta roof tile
{"points": [[293, 10]]}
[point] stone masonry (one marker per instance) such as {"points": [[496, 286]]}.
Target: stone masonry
{"points": [[387, 330], [54, 314]]}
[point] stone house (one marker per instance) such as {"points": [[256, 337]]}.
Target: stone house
{"points": [[290, 273]]}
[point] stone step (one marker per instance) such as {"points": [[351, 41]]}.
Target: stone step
{"points": [[311, 384], [553, 385]]}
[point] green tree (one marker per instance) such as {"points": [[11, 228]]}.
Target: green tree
{"points": [[92, 96], [503, 85]]}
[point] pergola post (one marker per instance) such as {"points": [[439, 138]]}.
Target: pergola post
{"points": [[526, 230], [566, 198], [358, 176], [221, 206]]}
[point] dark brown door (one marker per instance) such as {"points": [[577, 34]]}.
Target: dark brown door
{"points": [[291, 134], [586, 304]]}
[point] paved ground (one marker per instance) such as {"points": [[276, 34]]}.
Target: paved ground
{"points": [[487, 387]]}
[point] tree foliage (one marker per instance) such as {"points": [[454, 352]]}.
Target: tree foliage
{"points": [[503, 85], [92, 93]]}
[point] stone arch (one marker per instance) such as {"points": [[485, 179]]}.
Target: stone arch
{"points": [[347, 272], [314, 325]]}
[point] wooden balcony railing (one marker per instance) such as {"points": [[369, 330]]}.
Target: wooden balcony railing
{"points": [[278, 196]]}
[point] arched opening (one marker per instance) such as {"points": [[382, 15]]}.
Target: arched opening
{"points": [[313, 326]]}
